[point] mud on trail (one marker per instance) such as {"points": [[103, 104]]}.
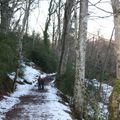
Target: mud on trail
{"points": [[40, 105]]}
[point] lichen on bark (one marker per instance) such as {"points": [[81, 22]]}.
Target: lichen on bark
{"points": [[114, 102]]}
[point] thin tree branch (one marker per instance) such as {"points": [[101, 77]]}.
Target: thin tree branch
{"points": [[100, 8]]}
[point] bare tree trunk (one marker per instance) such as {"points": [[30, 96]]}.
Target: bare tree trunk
{"points": [[53, 33], [64, 50], [116, 10], [58, 43], [5, 15], [114, 105], [26, 15], [14, 82], [50, 10], [7, 8], [58, 31], [80, 60], [59, 21], [21, 34]]}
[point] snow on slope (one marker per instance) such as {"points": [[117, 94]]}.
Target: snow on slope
{"points": [[105, 93]]}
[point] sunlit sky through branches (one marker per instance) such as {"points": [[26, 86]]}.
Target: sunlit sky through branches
{"points": [[99, 21]]}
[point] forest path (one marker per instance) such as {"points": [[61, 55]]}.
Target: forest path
{"points": [[40, 105]]}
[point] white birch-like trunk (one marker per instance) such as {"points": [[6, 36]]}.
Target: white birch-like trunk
{"points": [[116, 14], [114, 111], [26, 15], [80, 59]]}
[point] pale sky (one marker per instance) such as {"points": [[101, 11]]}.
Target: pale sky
{"points": [[39, 16], [103, 25]]}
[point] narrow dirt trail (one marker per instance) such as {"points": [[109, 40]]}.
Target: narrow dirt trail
{"points": [[40, 105]]}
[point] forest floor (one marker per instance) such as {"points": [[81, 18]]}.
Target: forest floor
{"points": [[29, 103]]}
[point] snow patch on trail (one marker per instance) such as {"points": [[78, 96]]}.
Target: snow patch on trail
{"points": [[49, 109], [31, 74], [9, 101], [55, 108]]}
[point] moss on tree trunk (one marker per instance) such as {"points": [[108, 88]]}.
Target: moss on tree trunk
{"points": [[114, 102]]}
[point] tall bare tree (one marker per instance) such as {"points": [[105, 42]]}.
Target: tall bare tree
{"points": [[64, 50], [28, 4], [53, 33], [116, 13], [8, 8], [114, 106], [5, 15], [50, 12], [80, 60], [58, 40]]}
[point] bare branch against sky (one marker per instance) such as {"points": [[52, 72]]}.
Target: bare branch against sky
{"points": [[100, 17]]}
